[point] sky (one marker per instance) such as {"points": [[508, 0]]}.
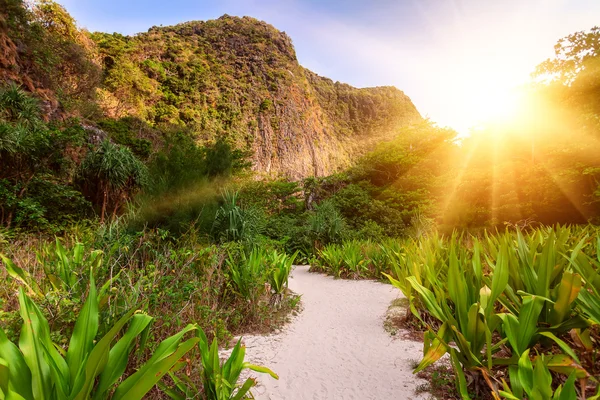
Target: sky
{"points": [[460, 61]]}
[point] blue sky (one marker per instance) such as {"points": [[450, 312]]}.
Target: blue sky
{"points": [[458, 60]]}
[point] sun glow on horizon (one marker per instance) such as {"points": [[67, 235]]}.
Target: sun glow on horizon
{"points": [[494, 108]]}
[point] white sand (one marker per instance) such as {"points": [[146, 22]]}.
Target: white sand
{"points": [[337, 347]]}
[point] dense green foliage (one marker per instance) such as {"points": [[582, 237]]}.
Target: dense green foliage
{"points": [[139, 147], [489, 301], [36, 163], [37, 370], [180, 279]]}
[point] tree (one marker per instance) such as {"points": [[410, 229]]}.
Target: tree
{"points": [[112, 174], [24, 147], [573, 54]]}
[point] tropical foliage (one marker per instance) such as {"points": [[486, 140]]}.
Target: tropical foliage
{"points": [[139, 147], [92, 367]]}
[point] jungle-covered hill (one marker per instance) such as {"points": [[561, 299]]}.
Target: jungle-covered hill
{"points": [[233, 78]]}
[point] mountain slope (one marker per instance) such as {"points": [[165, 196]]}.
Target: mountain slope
{"points": [[240, 77], [232, 77]]}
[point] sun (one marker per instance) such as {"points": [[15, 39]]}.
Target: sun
{"points": [[487, 90], [498, 106]]}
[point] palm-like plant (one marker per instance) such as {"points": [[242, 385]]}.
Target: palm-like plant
{"points": [[248, 275], [229, 224], [326, 224], [113, 173], [24, 142], [279, 273], [234, 222], [17, 106]]}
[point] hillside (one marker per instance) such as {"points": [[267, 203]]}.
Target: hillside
{"points": [[240, 77], [232, 77]]}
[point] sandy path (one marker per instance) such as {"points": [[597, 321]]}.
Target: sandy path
{"points": [[337, 347]]}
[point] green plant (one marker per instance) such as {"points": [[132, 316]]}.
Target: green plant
{"points": [[62, 267], [537, 267], [588, 299], [332, 257], [511, 291], [377, 259], [354, 260], [234, 223], [110, 174], [62, 271], [279, 272], [472, 319], [326, 224], [248, 274], [91, 368], [219, 379], [535, 381]]}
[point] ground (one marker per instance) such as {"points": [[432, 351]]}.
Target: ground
{"points": [[336, 348]]}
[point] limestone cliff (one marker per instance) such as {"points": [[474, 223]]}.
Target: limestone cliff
{"points": [[232, 77], [240, 77]]}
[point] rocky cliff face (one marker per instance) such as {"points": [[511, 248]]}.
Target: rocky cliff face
{"points": [[239, 77], [233, 77]]}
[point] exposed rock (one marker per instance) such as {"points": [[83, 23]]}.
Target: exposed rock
{"points": [[240, 77]]}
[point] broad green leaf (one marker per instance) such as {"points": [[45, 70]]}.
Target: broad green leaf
{"points": [[140, 383], [564, 364], [260, 369], [118, 356], [568, 391], [20, 275], [564, 346], [515, 381], [542, 379], [525, 372], [461, 381], [84, 333], [499, 280], [520, 331], [165, 349], [4, 376], [568, 291], [429, 299], [476, 329], [30, 344], [458, 290], [241, 393], [19, 374], [436, 349], [99, 357]]}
